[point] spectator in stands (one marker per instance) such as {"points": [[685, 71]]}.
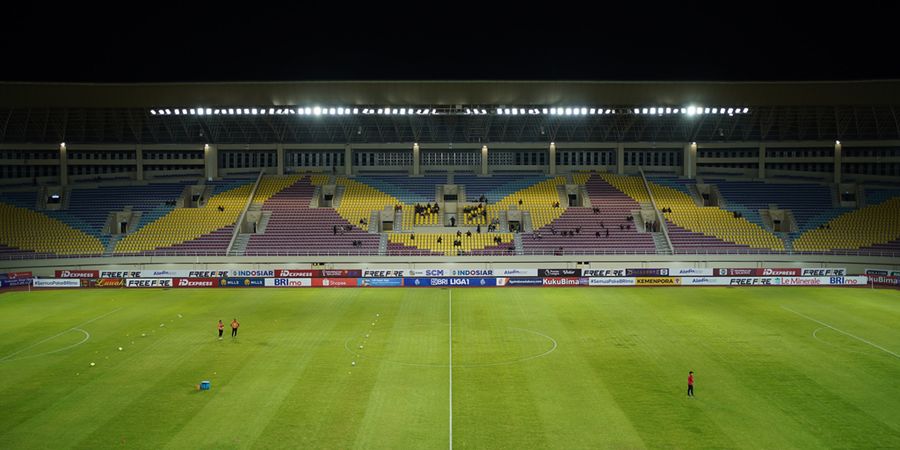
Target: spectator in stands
{"points": [[482, 199], [537, 234], [412, 236], [621, 227], [596, 210], [478, 229], [440, 239], [452, 221], [334, 229], [469, 233], [607, 232], [556, 204], [458, 233], [221, 208], [520, 202], [577, 230], [597, 234]]}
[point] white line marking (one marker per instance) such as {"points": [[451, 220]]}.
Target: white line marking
{"points": [[450, 328], [844, 332], [7, 357]]}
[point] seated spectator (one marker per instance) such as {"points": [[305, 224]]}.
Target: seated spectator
{"points": [[468, 233]]}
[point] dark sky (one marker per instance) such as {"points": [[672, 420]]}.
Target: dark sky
{"points": [[727, 42]]}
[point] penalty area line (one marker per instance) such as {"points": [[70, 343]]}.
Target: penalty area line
{"points": [[843, 332]]}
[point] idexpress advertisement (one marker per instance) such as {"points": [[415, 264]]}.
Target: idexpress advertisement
{"points": [[56, 283], [196, 282], [149, 282], [19, 275], [77, 273], [297, 273], [241, 282], [288, 282], [452, 282]]}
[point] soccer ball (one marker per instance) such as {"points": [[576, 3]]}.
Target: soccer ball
{"points": [[353, 363], [92, 364], [373, 323], [377, 315], [360, 346], [120, 349]]}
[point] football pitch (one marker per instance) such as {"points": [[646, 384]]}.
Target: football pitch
{"points": [[517, 368]]}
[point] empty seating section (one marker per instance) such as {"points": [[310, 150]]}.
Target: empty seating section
{"points": [[359, 200], [870, 226], [711, 221], [405, 188], [32, 231], [497, 186], [875, 196], [186, 224], [429, 242], [271, 185], [631, 186], [537, 199], [811, 204], [688, 217], [295, 228], [616, 233]]}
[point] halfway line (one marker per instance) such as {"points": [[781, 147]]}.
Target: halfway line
{"points": [[450, 329], [844, 332]]}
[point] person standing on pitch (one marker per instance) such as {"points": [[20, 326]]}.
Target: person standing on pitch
{"points": [[221, 328], [234, 327], [691, 384]]}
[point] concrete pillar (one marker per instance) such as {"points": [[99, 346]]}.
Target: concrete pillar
{"points": [[416, 168], [139, 160], [553, 158], [348, 160], [211, 159], [63, 165], [279, 159], [620, 159], [762, 162], [484, 160], [689, 161], [837, 161]]}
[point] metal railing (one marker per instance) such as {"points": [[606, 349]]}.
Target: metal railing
{"points": [[374, 252]]}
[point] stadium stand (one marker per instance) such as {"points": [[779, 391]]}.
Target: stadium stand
{"points": [[613, 208], [296, 228], [203, 229], [31, 231], [875, 227], [477, 243]]}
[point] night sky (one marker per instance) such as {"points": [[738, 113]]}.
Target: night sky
{"points": [[727, 42]]}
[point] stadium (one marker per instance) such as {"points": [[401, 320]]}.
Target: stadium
{"points": [[423, 264]]}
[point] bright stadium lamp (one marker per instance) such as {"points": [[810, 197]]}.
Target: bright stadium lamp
{"points": [[545, 111], [691, 110], [746, 110], [317, 111]]}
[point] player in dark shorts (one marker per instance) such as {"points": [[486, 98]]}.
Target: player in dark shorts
{"points": [[234, 327], [221, 327], [690, 384]]}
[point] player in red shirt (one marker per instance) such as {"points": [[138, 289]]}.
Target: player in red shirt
{"points": [[691, 384]]}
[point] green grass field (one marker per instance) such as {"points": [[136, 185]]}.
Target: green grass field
{"points": [[531, 368]]}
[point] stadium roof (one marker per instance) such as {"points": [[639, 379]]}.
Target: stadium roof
{"points": [[148, 95], [126, 113]]}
